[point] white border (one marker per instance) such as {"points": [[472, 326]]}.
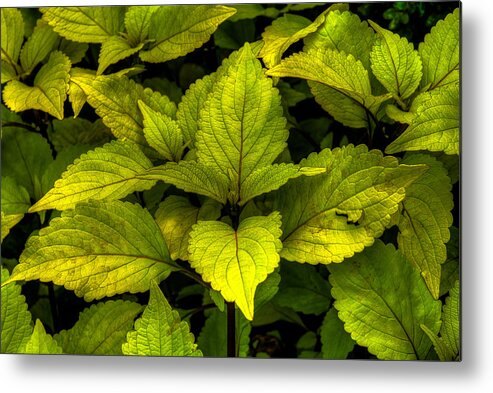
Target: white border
{"points": [[113, 374]]}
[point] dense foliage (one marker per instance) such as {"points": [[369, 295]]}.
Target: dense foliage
{"points": [[250, 180]]}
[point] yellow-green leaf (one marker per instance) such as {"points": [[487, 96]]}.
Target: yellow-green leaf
{"points": [[137, 22], [114, 49], [336, 342], [235, 262], [79, 77], [15, 202], [41, 343], [178, 30], [39, 45], [98, 249], [395, 63], [48, 92], [12, 27], [329, 217], [160, 331]]}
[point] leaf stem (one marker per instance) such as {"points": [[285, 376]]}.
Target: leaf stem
{"points": [[53, 305], [230, 310], [20, 125]]}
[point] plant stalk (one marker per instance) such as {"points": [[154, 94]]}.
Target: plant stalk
{"points": [[231, 329]]}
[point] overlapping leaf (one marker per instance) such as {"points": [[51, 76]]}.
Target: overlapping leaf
{"points": [[38, 46], [98, 249], [15, 203], [113, 50], [332, 216], [110, 172], [41, 343], [160, 332], [235, 262], [12, 27], [383, 301], [101, 329], [336, 342], [137, 22], [425, 220]]}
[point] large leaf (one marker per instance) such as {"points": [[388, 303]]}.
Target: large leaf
{"points": [[336, 342], [330, 217], [235, 262], [333, 34], [436, 124], [425, 220], [287, 30], [15, 324], [383, 301], [440, 53], [176, 216], [395, 63], [241, 127], [41, 343], [85, 24], [38, 46], [25, 157], [110, 172], [338, 81], [12, 27], [178, 30], [48, 92], [15, 202], [160, 332], [100, 329], [98, 249]]}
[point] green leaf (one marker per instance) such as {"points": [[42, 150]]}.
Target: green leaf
{"points": [[440, 53], [235, 262], [110, 172], [101, 329], [41, 343], [39, 45], [192, 176], [115, 99], [178, 30], [98, 249], [48, 92], [435, 126], [330, 217], [338, 81], [15, 202], [15, 324], [162, 133], [395, 63], [113, 50], [12, 27], [287, 30], [176, 216], [25, 157], [383, 301], [252, 11], [334, 34], [336, 342], [451, 268], [242, 127], [160, 332], [137, 22], [79, 77], [425, 220], [85, 24], [74, 50], [303, 289]]}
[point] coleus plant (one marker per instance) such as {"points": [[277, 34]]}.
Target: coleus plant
{"points": [[164, 186]]}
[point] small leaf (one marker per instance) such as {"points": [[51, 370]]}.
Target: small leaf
{"points": [[160, 332], [330, 217], [336, 342], [440, 53], [435, 126], [450, 330], [137, 22], [74, 50], [113, 50], [235, 262], [425, 220], [176, 216], [100, 329], [98, 249], [15, 324], [39, 45], [178, 30], [49, 91], [383, 301], [110, 172], [15, 202], [12, 27], [162, 133], [395, 63], [78, 78], [85, 24], [41, 343], [451, 268]]}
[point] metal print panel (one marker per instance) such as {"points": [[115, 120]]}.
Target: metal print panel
{"points": [[254, 180]]}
